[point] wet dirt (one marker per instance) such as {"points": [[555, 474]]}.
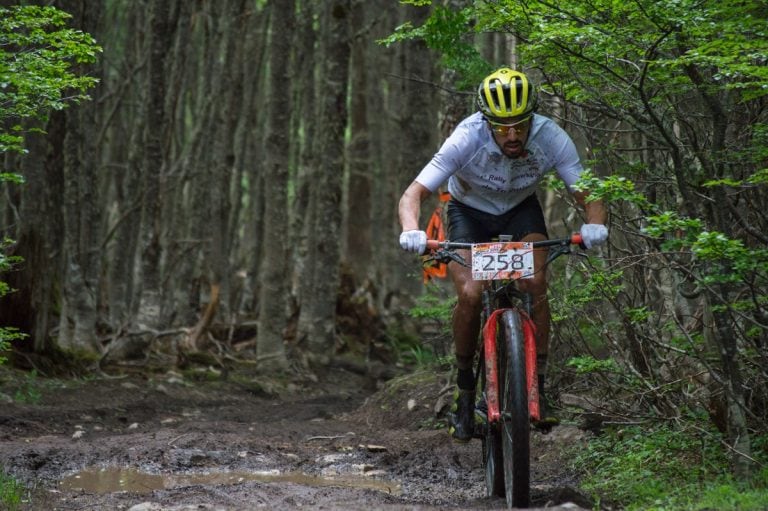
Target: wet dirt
{"points": [[339, 441]]}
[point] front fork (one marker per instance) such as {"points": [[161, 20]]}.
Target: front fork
{"points": [[531, 371], [489, 357]]}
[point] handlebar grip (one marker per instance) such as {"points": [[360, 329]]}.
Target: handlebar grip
{"points": [[576, 239], [433, 244]]}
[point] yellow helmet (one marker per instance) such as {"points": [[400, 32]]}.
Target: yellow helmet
{"points": [[506, 93]]}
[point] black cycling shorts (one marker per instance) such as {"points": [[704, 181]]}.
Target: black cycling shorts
{"points": [[469, 225]]}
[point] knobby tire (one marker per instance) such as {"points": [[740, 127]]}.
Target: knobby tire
{"points": [[515, 423], [493, 455]]}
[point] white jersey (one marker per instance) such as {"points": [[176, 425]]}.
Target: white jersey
{"points": [[482, 177]]}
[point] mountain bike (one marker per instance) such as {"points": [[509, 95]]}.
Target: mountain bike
{"points": [[506, 367]]}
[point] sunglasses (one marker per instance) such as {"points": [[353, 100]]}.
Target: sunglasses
{"points": [[518, 127]]}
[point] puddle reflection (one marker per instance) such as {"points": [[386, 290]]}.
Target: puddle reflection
{"points": [[113, 479]]}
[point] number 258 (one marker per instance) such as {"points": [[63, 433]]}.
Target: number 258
{"points": [[502, 262]]}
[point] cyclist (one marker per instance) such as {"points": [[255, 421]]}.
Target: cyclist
{"points": [[493, 162]]}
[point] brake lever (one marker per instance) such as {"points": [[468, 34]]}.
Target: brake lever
{"points": [[554, 254], [456, 257], [446, 256]]}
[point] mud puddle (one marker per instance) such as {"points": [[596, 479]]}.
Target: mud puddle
{"points": [[114, 479]]}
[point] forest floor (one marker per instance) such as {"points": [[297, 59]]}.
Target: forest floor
{"points": [[339, 441]]}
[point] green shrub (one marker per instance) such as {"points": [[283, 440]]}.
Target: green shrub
{"points": [[666, 468], [30, 390], [11, 492], [7, 334], [435, 305], [433, 311]]}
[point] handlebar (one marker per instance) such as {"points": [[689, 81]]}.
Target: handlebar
{"points": [[574, 239], [445, 251]]}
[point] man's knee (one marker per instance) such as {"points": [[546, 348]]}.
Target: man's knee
{"points": [[468, 297], [536, 285]]}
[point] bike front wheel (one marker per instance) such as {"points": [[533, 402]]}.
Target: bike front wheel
{"points": [[493, 461], [515, 420], [493, 455]]}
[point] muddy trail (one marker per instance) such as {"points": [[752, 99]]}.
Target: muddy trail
{"points": [[339, 441]]}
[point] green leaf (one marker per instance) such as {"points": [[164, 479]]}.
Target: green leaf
{"points": [[11, 177], [40, 62], [588, 364]]}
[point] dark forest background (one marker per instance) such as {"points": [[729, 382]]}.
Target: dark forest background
{"points": [[231, 188]]}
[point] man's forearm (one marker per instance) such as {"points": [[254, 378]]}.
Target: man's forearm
{"points": [[408, 212], [409, 207], [596, 211]]}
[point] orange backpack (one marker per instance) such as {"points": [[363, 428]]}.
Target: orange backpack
{"points": [[436, 231]]}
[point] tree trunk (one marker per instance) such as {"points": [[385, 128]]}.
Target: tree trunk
{"points": [[251, 156], [38, 237], [241, 232], [274, 263], [155, 145], [738, 430], [416, 127], [358, 211], [82, 215], [190, 227], [182, 249], [305, 114], [384, 159], [121, 143], [318, 305]]}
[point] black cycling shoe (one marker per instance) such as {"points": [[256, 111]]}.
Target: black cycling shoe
{"points": [[462, 420], [547, 417], [481, 417]]}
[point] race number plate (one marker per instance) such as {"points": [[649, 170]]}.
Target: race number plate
{"points": [[502, 260]]}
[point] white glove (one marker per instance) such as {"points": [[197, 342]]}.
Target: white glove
{"points": [[593, 235], [414, 241]]}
